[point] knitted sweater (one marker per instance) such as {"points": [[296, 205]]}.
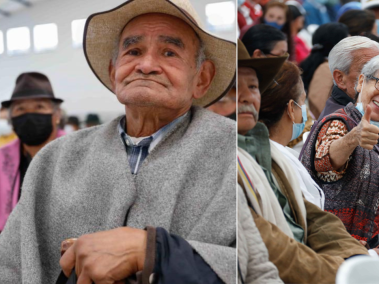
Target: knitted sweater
{"points": [[82, 183], [355, 197]]}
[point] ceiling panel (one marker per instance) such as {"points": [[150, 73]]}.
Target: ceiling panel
{"points": [[10, 7]]}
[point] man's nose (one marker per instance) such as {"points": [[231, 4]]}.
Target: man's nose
{"points": [[148, 64]]}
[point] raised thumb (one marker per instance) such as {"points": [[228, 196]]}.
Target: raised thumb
{"points": [[367, 115]]}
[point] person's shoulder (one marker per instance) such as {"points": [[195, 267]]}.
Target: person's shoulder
{"points": [[213, 121], [82, 139], [15, 144]]}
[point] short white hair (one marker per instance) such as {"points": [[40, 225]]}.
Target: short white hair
{"points": [[371, 67], [340, 57]]}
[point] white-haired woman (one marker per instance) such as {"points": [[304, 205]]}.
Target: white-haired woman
{"points": [[342, 156]]}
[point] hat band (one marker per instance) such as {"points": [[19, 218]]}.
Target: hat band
{"points": [[30, 93]]}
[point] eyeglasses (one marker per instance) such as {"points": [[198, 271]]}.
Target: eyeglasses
{"points": [[376, 79]]}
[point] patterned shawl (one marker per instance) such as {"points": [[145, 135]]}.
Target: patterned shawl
{"points": [[355, 197]]}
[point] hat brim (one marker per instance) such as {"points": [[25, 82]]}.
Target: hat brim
{"points": [[266, 68], [8, 103], [103, 29]]}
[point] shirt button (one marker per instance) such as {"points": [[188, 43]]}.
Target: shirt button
{"points": [[127, 142], [151, 278]]}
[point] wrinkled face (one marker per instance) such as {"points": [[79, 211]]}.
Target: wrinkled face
{"points": [[156, 63], [369, 95], [249, 99], [361, 57], [41, 106], [276, 14]]}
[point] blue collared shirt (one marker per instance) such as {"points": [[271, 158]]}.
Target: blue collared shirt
{"points": [[136, 157]]}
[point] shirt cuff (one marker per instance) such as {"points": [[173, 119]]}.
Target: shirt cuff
{"points": [[147, 275], [373, 253]]}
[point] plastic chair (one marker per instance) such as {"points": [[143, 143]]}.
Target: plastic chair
{"points": [[359, 270]]}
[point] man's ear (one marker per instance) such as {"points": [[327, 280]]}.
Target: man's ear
{"points": [[338, 77], [258, 54], [360, 83], [204, 79], [112, 74]]}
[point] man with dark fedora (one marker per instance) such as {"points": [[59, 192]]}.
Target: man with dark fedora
{"points": [[152, 193], [34, 113]]}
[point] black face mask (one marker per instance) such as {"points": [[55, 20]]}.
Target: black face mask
{"points": [[33, 129]]}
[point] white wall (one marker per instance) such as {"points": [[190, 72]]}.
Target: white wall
{"points": [[66, 67]]}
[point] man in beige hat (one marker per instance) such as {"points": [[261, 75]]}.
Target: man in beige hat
{"points": [[168, 165]]}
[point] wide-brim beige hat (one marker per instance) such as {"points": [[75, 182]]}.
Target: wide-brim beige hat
{"points": [[103, 29]]}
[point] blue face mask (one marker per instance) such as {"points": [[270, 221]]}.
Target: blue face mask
{"points": [[359, 107], [297, 128], [274, 24], [240, 2]]}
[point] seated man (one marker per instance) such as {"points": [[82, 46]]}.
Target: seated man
{"points": [[167, 163], [254, 266], [306, 244]]}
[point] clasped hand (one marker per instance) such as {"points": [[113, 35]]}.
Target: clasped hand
{"points": [[106, 257]]}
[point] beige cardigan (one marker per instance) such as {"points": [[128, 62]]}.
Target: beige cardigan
{"points": [[320, 89]]}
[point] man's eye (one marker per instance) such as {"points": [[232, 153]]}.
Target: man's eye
{"points": [[169, 53], [253, 87], [133, 52]]}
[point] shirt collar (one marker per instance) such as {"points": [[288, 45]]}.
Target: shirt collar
{"points": [[257, 143], [157, 136], [340, 96]]}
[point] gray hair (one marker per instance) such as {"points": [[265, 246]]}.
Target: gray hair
{"points": [[340, 57], [371, 67], [200, 55]]}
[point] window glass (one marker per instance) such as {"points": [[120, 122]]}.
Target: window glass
{"points": [[18, 40], [77, 29], [45, 37], [221, 16]]}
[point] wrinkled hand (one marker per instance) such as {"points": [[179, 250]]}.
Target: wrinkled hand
{"points": [[366, 133], [106, 257]]}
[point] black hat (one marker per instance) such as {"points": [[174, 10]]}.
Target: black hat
{"points": [[73, 120], [93, 118], [32, 85]]}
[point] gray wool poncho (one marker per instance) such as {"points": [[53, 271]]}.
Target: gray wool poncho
{"points": [[81, 183]]}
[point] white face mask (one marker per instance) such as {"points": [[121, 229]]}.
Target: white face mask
{"points": [[69, 129], [5, 128]]}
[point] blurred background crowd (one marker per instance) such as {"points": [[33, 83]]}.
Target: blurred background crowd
{"points": [[306, 30]]}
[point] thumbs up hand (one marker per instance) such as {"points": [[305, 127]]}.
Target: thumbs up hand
{"points": [[367, 134]]}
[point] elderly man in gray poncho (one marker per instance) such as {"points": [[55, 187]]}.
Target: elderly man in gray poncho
{"points": [[151, 195]]}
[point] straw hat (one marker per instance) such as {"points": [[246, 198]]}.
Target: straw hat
{"points": [[266, 68], [103, 29]]}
